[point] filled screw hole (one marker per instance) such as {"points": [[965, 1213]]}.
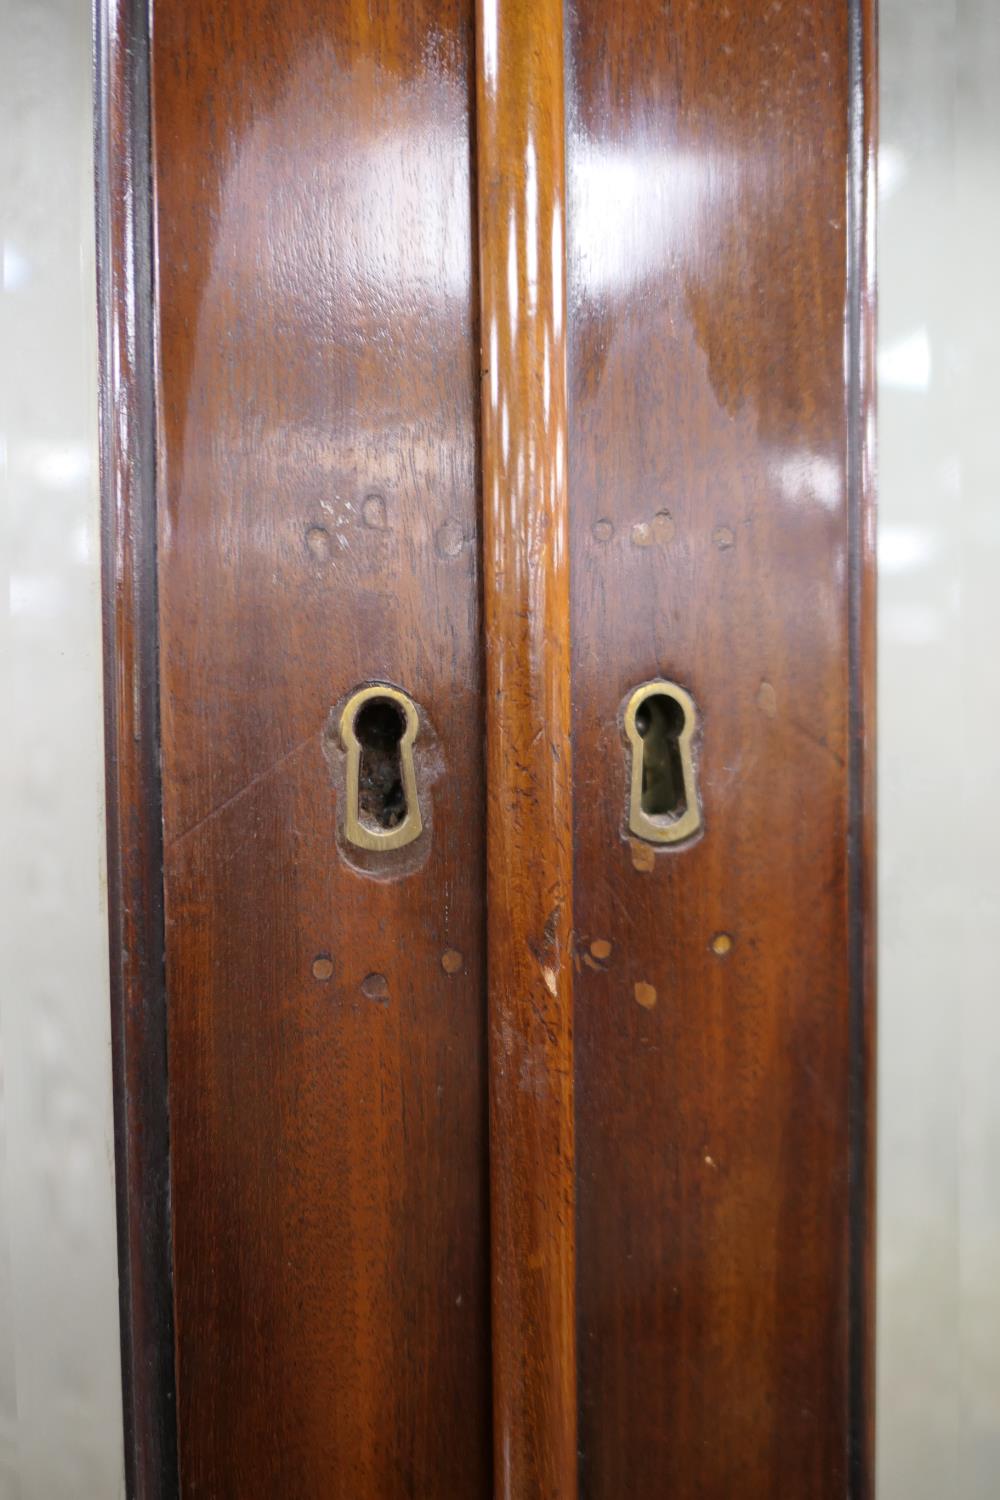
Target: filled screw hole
{"points": [[379, 727]]}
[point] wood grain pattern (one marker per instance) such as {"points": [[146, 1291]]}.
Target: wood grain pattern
{"points": [[519, 131], [715, 516], [318, 519], [132, 744], [706, 465]]}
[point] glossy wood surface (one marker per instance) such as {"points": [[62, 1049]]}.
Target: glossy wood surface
{"points": [[132, 749], [519, 131], [374, 245], [717, 517], [318, 526]]}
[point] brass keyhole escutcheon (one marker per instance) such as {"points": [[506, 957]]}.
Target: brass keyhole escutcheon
{"points": [[377, 728], [660, 724]]}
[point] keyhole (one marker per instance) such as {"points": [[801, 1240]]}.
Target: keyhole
{"points": [[379, 726], [660, 722]]}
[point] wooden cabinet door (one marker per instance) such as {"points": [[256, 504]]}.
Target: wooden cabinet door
{"points": [[489, 664]]}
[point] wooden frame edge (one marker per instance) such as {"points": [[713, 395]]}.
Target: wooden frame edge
{"points": [[127, 414], [862, 886], [125, 271], [521, 215]]}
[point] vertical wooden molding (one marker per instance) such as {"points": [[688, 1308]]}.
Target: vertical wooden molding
{"points": [[862, 886], [522, 199], [134, 822]]}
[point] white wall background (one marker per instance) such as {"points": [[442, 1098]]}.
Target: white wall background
{"points": [[60, 1386], [939, 1213], [939, 789]]}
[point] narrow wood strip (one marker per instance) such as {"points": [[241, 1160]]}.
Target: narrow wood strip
{"points": [[529, 814], [131, 697], [862, 888]]}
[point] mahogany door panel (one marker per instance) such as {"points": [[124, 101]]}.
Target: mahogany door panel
{"points": [[708, 161], [489, 600], [318, 522]]}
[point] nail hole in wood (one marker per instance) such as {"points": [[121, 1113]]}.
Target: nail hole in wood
{"points": [[375, 987]]}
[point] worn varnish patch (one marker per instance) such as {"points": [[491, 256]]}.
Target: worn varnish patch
{"points": [[645, 994]]}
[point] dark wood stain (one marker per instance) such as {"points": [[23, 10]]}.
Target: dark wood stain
{"points": [[292, 395], [132, 745], [708, 155], [318, 429]]}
